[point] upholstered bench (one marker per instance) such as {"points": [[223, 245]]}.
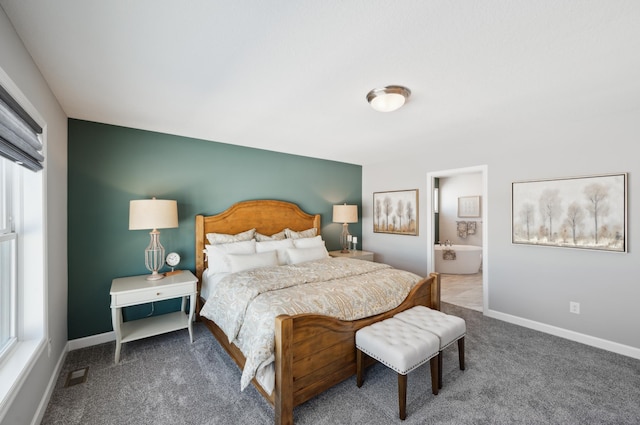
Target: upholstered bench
{"points": [[401, 347], [446, 327]]}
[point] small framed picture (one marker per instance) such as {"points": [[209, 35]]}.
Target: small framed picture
{"points": [[469, 206]]}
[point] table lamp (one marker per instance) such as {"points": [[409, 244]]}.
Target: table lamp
{"points": [[153, 214], [345, 214]]}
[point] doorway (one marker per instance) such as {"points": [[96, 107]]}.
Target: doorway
{"points": [[447, 225]]}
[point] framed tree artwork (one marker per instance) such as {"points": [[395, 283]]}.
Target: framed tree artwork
{"points": [[396, 212], [587, 212]]}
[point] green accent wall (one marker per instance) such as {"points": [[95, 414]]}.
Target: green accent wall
{"points": [[111, 165]]}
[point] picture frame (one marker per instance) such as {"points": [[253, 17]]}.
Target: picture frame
{"points": [[586, 212], [469, 206], [396, 212]]}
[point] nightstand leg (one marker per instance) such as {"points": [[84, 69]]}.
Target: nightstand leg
{"points": [[184, 303], [116, 321], [192, 309]]}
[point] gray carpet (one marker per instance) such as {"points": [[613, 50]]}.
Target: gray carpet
{"points": [[514, 376]]}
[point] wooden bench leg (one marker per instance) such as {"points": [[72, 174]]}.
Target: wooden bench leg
{"points": [[461, 352], [359, 367], [435, 373], [439, 370], [402, 395]]}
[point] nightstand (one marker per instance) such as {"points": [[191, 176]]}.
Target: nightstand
{"points": [[134, 290], [358, 255]]}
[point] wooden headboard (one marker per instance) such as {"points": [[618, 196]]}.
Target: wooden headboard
{"points": [[266, 216]]}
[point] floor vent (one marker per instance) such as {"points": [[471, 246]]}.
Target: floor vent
{"points": [[76, 377]]}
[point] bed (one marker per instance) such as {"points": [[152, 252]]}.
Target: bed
{"points": [[312, 352]]}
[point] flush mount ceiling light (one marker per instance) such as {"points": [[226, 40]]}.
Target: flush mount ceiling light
{"points": [[388, 98]]}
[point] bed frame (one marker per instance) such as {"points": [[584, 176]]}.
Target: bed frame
{"points": [[312, 352]]}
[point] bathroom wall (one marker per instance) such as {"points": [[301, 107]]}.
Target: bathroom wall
{"points": [[451, 188]]}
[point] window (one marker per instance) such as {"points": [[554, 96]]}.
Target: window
{"points": [[8, 238], [23, 284]]}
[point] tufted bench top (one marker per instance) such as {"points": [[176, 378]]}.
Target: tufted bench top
{"points": [[396, 345], [448, 328]]}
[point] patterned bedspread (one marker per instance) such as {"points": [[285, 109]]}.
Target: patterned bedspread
{"points": [[244, 305]]}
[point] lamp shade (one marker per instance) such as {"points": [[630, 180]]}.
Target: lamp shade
{"points": [[153, 214], [345, 213]]}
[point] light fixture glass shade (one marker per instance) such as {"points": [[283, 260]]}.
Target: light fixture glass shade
{"points": [[388, 98], [153, 214], [345, 214]]}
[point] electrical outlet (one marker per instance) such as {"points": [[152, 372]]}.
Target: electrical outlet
{"points": [[574, 307]]}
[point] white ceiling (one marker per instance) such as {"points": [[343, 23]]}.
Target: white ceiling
{"points": [[292, 76]]}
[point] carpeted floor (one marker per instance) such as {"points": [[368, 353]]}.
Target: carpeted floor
{"points": [[514, 376]]}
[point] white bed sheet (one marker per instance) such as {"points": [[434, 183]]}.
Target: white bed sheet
{"points": [[209, 281]]}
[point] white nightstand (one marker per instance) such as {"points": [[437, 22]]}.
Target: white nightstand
{"points": [[134, 290], [358, 255]]}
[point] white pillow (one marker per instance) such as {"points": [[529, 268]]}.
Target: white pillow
{"points": [[301, 255], [217, 261], [309, 233], [220, 238], [308, 242], [280, 247], [275, 237], [241, 262]]}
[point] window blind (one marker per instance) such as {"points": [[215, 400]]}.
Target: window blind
{"points": [[19, 141]]}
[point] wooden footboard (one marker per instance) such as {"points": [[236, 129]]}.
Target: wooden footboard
{"points": [[314, 353]]}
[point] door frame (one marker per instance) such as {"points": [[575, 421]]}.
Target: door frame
{"points": [[483, 170]]}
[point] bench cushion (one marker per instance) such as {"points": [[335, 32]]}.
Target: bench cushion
{"points": [[397, 345], [448, 328]]}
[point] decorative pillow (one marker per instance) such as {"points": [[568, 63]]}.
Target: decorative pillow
{"points": [[280, 247], [301, 255], [309, 233], [217, 261], [241, 262], [220, 238], [275, 237], [308, 242]]}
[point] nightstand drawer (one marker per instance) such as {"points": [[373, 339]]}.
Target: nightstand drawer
{"points": [[151, 294]]}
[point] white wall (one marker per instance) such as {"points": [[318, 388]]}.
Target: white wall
{"points": [[451, 188], [18, 65], [528, 284]]}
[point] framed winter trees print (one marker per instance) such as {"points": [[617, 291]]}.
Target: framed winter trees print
{"points": [[587, 212]]}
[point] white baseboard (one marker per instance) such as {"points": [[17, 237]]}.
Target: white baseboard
{"points": [[604, 344], [89, 341], [42, 407]]}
